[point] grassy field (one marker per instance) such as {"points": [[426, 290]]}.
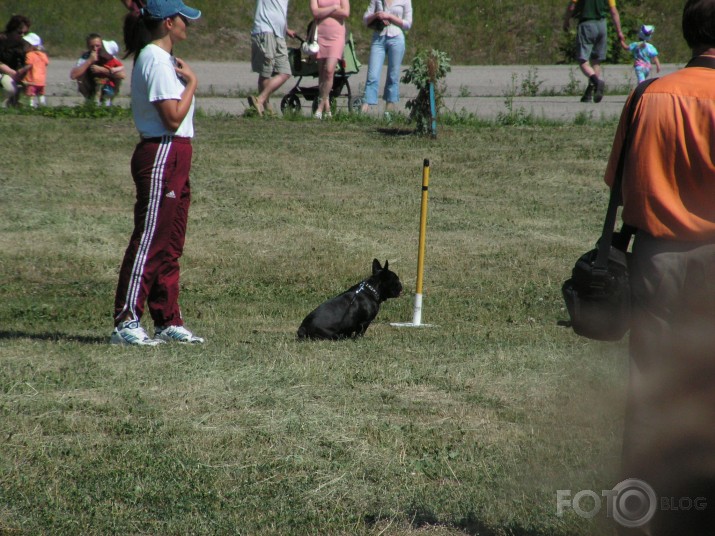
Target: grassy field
{"points": [[472, 32], [467, 427]]}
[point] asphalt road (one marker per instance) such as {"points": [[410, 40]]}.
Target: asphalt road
{"points": [[480, 90]]}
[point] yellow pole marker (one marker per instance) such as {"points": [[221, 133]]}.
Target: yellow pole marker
{"points": [[417, 314]]}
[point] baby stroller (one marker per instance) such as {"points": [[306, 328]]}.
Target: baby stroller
{"points": [[340, 96]]}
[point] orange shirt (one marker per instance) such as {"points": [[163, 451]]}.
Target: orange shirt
{"points": [[669, 174], [37, 76]]}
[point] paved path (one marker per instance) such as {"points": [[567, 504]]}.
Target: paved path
{"points": [[479, 90]]}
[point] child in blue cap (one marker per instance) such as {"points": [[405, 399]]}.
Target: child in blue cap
{"points": [[644, 53]]}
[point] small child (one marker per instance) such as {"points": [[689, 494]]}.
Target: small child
{"points": [[644, 53], [36, 78], [109, 85]]}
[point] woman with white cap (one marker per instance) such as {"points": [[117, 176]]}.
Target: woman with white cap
{"points": [[163, 89]]}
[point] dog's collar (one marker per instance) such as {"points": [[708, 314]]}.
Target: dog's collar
{"points": [[367, 286]]}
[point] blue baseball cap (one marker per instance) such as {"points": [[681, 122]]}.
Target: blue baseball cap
{"points": [[163, 9]]}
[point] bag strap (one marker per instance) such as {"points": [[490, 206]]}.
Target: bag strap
{"points": [[604, 243], [312, 33], [606, 240]]}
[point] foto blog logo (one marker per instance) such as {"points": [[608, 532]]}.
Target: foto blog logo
{"points": [[631, 503]]}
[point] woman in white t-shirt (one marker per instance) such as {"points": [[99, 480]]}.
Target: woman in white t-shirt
{"points": [[163, 89], [389, 19]]}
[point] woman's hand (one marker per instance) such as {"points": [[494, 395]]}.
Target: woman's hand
{"points": [[320, 13], [387, 18], [21, 72], [184, 71], [343, 12], [171, 111]]}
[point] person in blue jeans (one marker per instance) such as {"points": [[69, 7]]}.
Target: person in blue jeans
{"points": [[389, 19]]}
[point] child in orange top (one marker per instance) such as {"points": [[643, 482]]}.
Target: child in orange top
{"points": [[36, 78]]}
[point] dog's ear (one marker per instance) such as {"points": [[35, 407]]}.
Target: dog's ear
{"points": [[376, 266], [385, 267]]}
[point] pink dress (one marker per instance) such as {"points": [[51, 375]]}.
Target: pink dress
{"points": [[331, 34]]}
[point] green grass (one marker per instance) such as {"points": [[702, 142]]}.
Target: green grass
{"points": [[466, 427], [472, 32]]}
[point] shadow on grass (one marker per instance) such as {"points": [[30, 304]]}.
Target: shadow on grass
{"points": [[394, 131], [54, 337], [421, 518]]}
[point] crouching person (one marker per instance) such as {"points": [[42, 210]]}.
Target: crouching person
{"points": [[98, 72]]}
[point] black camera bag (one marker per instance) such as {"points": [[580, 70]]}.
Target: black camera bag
{"points": [[598, 293]]}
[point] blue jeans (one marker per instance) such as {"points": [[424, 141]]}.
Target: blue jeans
{"points": [[394, 47]]}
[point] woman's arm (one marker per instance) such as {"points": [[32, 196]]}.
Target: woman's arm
{"points": [[370, 13], [406, 21], [173, 112], [16, 75], [115, 70], [343, 12], [319, 13]]}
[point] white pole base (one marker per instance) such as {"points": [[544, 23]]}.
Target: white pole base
{"points": [[416, 317]]}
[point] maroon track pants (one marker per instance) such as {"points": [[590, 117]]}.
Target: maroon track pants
{"points": [[150, 270]]}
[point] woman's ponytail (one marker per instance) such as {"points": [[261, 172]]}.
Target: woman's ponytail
{"points": [[138, 30]]}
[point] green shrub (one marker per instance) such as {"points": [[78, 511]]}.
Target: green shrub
{"points": [[427, 67]]}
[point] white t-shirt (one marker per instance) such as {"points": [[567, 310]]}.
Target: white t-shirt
{"points": [[271, 16], [154, 79]]}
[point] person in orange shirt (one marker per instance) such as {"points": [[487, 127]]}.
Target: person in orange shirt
{"points": [[669, 197], [36, 78]]}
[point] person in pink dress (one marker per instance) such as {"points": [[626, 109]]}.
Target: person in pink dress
{"points": [[330, 17]]}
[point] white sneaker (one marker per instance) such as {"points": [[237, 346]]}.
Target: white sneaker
{"points": [[130, 333], [176, 333], [318, 115]]}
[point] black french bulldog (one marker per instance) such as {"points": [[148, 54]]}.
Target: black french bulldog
{"points": [[349, 314]]}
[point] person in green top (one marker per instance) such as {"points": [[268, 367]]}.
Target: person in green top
{"points": [[591, 40]]}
